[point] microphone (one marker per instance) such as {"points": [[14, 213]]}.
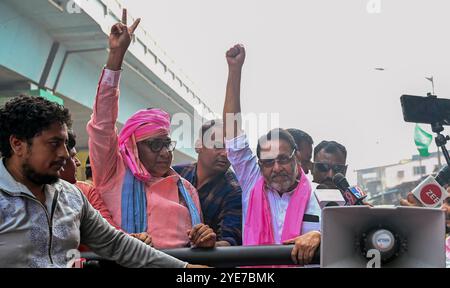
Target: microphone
{"points": [[353, 195], [430, 192], [328, 197]]}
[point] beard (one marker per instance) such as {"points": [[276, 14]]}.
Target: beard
{"points": [[281, 187], [37, 178], [285, 185]]}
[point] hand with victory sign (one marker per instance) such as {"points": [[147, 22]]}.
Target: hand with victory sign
{"points": [[119, 41]]}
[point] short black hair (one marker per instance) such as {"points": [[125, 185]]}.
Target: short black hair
{"points": [[208, 125], [26, 117], [72, 140], [300, 136], [330, 147], [277, 133]]}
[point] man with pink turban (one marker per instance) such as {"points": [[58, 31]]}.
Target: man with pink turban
{"points": [[132, 170]]}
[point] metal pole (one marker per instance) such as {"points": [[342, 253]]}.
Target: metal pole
{"points": [[432, 84], [228, 257], [63, 63], [439, 157]]}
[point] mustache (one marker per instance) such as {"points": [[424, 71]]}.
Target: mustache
{"points": [[273, 175], [284, 173]]}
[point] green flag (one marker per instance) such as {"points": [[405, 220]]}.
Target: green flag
{"points": [[423, 140]]}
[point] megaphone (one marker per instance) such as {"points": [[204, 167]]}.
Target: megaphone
{"points": [[387, 237]]}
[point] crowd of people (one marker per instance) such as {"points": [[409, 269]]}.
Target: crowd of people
{"points": [[134, 202]]}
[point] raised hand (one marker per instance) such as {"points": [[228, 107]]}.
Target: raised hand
{"points": [[236, 56], [120, 37], [119, 41], [232, 107]]}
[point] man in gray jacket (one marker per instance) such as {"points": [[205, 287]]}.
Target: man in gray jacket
{"points": [[44, 219]]}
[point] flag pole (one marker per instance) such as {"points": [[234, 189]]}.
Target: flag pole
{"points": [[431, 79], [420, 165], [438, 150], [439, 157], [432, 84]]}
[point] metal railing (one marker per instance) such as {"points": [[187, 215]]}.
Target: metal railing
{"points": [[223, 257]]}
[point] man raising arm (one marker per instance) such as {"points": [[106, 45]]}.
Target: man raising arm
{"points": [[277, 203]]}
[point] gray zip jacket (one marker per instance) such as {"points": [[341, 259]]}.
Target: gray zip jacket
{"points": [[33, 235]]}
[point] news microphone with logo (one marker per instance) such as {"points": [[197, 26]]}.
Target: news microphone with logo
{"points": [[328, 197], [430, 192], [353, 195]]}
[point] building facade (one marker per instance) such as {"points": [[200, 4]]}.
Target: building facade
{"points": [[388, 184]]}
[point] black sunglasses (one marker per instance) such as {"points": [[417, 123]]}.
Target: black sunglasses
{"points": [[282, 159], [325, 167], [158, 144]]}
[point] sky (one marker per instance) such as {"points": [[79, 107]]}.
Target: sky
{"points": [[313, 62]]}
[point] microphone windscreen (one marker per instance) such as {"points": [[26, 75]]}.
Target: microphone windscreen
{"points": [[340, 182]]}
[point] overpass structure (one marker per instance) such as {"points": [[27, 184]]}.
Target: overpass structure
{"points": [[57, 49]]}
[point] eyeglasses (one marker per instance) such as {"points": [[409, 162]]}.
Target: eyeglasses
{"points": [[282, 160], [325, 167], [158, 144]]}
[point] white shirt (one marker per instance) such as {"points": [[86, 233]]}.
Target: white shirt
{"points": [[247, 171]]}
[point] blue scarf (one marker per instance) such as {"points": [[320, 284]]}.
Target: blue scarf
{"points": [[134, 204], [195, 215]]}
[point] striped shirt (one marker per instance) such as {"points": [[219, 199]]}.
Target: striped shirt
{"points": [[247, 170], [220, 200]]}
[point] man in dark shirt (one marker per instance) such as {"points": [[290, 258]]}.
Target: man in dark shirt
{"points": [[304, 145], [329, 159], [217, 186]]}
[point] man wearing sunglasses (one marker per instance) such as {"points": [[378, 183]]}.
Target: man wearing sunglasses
{"points": [[277, 204], [132, 171], [329, 160]]}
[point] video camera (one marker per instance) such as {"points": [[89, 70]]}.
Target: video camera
{"points": [[429, 110]]}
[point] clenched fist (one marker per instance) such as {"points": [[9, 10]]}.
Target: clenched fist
{"points": [[236, 56]]}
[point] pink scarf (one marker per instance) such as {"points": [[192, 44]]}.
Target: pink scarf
{"points": [[258, 224], [142, 125]]}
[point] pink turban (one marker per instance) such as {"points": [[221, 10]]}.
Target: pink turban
{"points": [[142, 125]]}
